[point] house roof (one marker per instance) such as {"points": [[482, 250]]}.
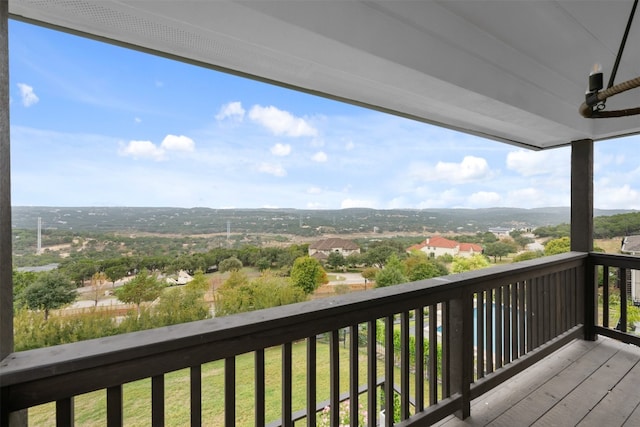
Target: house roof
{"points": [[332, 243], [440, 242], [631, 244], [515, 71], [470, 247]]}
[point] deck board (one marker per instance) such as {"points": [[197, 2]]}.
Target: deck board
{"points": [[581, 384]]}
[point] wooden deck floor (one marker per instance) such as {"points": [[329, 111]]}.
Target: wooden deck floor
{"points": [[583, 384]]}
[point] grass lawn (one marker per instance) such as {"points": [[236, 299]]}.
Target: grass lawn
{"points": [[90, 408]]}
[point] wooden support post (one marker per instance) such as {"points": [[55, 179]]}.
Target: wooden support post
{"points": [[582, 224], [461, 350], [15, 419]]}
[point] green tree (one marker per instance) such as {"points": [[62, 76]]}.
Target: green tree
{"points": [[199, 283], [307, 274], [557, 246], [115, 273], [335, 260], [527, 255], [264, 292], [143, 287], [236, 279], [498, 250], [378, 256], [393, 273], [354, 259], [369, 274], [419, 267], [98, 281], [21, 281], [474, 262], [180, 305], [51, 290], [230, 264]]}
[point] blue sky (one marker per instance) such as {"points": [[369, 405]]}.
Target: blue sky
{"points": [[98, 125]]}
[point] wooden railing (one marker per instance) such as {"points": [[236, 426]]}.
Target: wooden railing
{"points": [[615, 276], [490, 324]]}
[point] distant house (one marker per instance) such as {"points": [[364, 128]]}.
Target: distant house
{"points": [[500, 231], [631, 246], [438, 246], [322, 248], [182, 279]]}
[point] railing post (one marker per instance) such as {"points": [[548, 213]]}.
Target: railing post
{"points": [[590, 302], [461, 351]]}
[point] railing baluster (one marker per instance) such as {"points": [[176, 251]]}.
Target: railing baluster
{"points": [[506, 322], [514, 321], [540, 311], [229, 391], [622, 324], [157, 400], [260, 393], [114, 406], [65, 412], [196, 396], [546, 315], [287, 393], [433, 354], [498, 324], [353, 376], [480, 335], [489, 313], [419, 358], [389, 364], [404, 365], [311, 382], [530, 309], [522, 318], [446, 350], [605, 296], [553, 315], [334, 373], [372, 373]]}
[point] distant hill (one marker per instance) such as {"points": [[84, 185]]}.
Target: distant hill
{"points": [[286, 221]]}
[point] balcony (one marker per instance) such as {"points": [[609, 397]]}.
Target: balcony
{"points": [[529, 344], [509, 335]]}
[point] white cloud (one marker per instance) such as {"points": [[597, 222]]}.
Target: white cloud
{"points": [[349, 146], [616, 197], [281, 122], [483, 199], [272, 169], [149, 150], [232, 110], [177, 143], [469, 169], [529, 163], [137, 120], [314, 190], [319, 157], [27, 94], [142, 150], [355, 203], [281, 149]]}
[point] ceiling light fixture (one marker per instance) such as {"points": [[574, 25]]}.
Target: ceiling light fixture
{"points": [[595, 98]]}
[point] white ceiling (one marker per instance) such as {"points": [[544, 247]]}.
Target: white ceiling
{"points": [[515, 70]]}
